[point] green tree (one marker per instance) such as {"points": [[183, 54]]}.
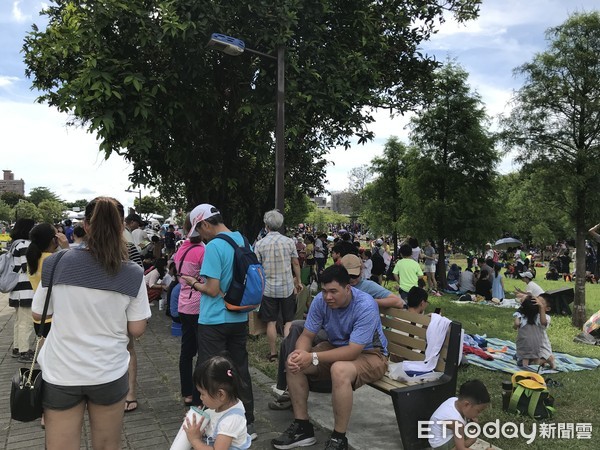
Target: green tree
{"points": [[27, 210], [555, 125], [320, 218], [151, 205], [138, 75], [6, 212], [39, 194], [450, 185], [51, 210], [528, 210], [358, 178], [384, 206], [297, 207], [81, 204], [11, 198]]}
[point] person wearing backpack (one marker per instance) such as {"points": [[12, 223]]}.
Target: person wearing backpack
{"points": [[219, 328], [21, 296], [378, 260]]}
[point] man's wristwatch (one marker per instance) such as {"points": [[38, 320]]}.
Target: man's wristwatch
{"points": [[315, 360]]}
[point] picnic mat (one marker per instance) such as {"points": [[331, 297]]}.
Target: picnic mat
{"points": [[505, 361]]}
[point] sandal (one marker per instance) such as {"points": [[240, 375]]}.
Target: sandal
{"points": [[128, 403], [272, 357], [553, 383]]}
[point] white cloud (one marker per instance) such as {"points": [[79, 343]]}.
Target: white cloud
{"points": [[17, 13], [6, 81], [40, 149]]}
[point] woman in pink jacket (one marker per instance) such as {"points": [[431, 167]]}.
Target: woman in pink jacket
{"points": [[188, 261]]}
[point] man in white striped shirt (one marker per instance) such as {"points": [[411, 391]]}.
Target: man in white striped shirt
{"points": [[279, 257]]}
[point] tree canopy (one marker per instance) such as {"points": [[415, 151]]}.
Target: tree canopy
{"points": [[450, 184], [555, 125], [139, 76]]}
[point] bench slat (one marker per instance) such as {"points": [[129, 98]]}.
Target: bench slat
{"points": [[404, 327], [386, 384], [405, 340], [407, 316]]}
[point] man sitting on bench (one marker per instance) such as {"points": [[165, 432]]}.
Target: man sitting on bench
{"points": [[354, 354]]}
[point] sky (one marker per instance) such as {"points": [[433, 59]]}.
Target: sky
{"points": [[38, 147]]}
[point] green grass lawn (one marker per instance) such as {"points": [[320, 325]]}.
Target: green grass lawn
{"points": [[577, 401]]}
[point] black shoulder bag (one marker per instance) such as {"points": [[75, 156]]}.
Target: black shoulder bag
{"points": [[26, 387]]}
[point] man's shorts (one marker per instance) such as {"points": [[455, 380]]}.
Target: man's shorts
{"points": [[370, 365], [67, 397], [270, 309]]}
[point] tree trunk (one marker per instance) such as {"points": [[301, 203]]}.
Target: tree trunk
{"points": [[579, 314], [441, 265]]}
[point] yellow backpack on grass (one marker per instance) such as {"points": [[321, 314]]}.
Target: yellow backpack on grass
{"points": [[530, 396]]}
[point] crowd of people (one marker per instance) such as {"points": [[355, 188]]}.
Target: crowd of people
{"points": [[108, 271]]}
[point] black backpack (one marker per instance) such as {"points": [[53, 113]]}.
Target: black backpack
{"points": [[378, 262]]}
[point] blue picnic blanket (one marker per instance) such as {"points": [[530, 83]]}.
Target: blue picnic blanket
{"points": [[506, 362]]}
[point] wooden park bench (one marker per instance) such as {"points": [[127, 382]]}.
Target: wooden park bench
{"points": [[407, 340]]}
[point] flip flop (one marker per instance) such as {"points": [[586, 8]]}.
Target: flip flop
{"points": [[128, 403]]}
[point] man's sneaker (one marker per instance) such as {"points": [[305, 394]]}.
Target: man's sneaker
{"points": [[15, 353], [337, 444], [26, 357], [251, 431], [295, 436]]}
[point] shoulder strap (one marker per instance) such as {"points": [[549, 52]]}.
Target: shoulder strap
{"points": [[231, 242], [183, 257], [12, 246], [49, 292]]}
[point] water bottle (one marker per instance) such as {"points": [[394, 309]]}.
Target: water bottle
{"points": [[506, 394], [181, 441]]}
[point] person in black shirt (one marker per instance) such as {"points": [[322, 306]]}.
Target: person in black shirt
{"points": [[170, 239], [483, 286]]}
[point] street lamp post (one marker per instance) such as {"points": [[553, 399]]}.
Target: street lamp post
{"points": [[235, 47], [139, 192]]}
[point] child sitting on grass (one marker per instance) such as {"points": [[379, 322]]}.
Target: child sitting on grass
{"points": [[531, 321], [473, 398]]}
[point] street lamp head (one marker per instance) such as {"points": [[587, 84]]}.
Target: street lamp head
{"points": [[226, 44]]}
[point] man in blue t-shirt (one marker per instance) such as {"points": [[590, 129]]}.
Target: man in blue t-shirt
{"points": [[219, 329], [354, 354]]}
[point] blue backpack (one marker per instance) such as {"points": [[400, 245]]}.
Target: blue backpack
{"points": [[248, 284]]}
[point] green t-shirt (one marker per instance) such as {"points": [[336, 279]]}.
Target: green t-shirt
{"points": [[408, 271]]}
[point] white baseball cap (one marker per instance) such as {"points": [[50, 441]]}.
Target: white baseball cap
{"points": [[200, 213]]}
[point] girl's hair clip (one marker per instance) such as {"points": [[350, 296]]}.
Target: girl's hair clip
{"points": [[229, 374]]}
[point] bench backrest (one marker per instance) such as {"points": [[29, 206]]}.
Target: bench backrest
{"points": [[406, 333]]}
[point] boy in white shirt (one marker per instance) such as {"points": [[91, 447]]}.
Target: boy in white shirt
{"points": [[449, 420]]}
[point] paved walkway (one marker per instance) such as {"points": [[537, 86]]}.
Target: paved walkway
{"points": [[160, 413]]}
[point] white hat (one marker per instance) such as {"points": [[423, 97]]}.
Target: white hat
{"points": [[526, 275], [200, 213], [379, 242]]}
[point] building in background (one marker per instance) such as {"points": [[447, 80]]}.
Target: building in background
{"points": [[9, 184], [341, 202], [321, 202]]}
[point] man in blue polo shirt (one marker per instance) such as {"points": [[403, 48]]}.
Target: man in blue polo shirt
{"points": [[219, 329], [354, 354]]}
